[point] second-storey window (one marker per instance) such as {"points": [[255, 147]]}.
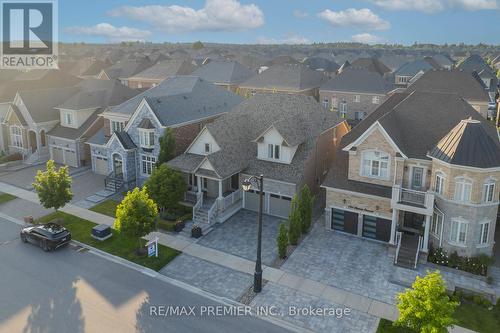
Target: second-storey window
{"points": [[375, 164], [463, 189], [117, 126], [488, 190], [325, 103], [16, 136], [148, 163], [484, 229], [437, 223], [68, 118], [335, 102], [357, 98], [459, 231], [207, 148], [147, 138], [343, 109], [439, 188], [375, 99], [273, 151]]}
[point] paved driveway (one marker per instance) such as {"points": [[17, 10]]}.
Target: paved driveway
{"points": [[357, 265], [238, 236]]}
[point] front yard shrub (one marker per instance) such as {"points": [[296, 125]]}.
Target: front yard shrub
{"points": [[166, 187], [476, 265], [294, 223], [166, 225], [306, 207], [11, 157], [282, 241]]}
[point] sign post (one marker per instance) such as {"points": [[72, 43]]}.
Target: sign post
{"points": [[152, 246]]}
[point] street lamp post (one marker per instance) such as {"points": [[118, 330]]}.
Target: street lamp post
{"points": [[259, 183]]}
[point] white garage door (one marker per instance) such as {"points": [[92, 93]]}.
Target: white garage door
{"points": [[70, 158], [57, 155], [101, 165], [279, 205], [252, 200]]}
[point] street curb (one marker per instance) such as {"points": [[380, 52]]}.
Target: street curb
{"points": [[165, 279]]}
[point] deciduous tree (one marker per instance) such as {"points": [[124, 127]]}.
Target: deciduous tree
{"points": [[167, 147], [166, 186], [53, 186]]}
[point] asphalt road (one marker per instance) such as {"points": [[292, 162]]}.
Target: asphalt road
{"points": [[71, 292]]}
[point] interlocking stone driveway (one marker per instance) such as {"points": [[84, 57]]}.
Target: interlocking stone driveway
{"points": [[353, 264], [216, 279], [238, 236], [283, 297]]}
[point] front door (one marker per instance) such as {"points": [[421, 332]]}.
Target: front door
{"points": [[417, 178], [118, 166], [413, 222]]}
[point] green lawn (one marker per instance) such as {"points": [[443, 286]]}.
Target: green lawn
{"points": [[5, 197], [468, 315], [107, 207], [119, 245]]}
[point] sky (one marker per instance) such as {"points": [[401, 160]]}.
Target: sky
{"points": [[281, 21]]}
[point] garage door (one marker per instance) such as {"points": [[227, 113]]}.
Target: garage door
{"points": [[376, 228], [279, 205], [101, 165], [57, 155], [345, 221], [70, 158], [252, 200]]}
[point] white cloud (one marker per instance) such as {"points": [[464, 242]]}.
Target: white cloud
{"points": [[300, 14], [367, 38], [363, 18], [110, 32], [216, 15], [293, 39], [433, 6]]}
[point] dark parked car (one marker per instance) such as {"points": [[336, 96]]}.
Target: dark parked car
{"points": [[48, 236]]}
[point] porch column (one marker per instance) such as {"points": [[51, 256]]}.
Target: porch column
{"points": [[426, 233], [220, 188], [38, 141], [394, 222], [198, 180]]}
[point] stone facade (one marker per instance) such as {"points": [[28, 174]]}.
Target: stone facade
{"points": [[247, 92], [365, 104]]}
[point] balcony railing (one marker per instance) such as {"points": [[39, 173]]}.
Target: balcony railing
{"points": [[413, 198]]}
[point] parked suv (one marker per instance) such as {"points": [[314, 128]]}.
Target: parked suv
{"points": [[48, 236]]}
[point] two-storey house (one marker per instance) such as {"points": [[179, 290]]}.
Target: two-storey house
{"points": [[420, 171], [227, 74], [154, 75], [127, 147], [289, 139]]}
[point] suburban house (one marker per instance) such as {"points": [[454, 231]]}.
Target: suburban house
{"points": [[79, 119], [154, 75], [443, 60], [354, 93], [409, 71], [127, 147], [404, 178], [466, 85], [227, 74], [372, 65], [289, 139], [123, 69], [475, 63], [30, 116], [95, 69], [321, 64], [285, 78]]}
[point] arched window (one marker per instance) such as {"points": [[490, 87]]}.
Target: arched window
{"points": [[375, 164], [463, 189], [489, 190], [439, 186]]}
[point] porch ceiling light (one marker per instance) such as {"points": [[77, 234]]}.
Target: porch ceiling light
{"points": [[246, 184]]}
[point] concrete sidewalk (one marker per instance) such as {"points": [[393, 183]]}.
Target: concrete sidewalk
{"points": [[308, 286]]}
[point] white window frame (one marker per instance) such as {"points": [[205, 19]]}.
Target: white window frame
{"points": [[484, 232], [489, 190], [461, 184], [147, 164], [357, 98], [335, 102], [325, 103], [147, 138], [68, 119], [343, 109], [117, 126], [16, 139], [439, 185], [437, 223], [208, 148], [273, 151], [462, 227], [375, 163], [376, 100]]}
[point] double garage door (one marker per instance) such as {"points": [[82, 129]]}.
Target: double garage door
{"points": [[101, 165], [278, 205], [64, 156], [372, 227]]}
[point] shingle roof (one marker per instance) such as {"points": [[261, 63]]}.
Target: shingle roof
{"points": [[412, 68], [165, 69], [371, 64], [99, 138], [320, 63], [451, 81], [468, 144], [74, 133], [227, 72], [288, 76], [41, 103], [126, 68], [125, 140], [357, 80]]}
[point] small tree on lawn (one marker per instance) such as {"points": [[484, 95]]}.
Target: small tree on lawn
{"points": [[53, 186], [282, 241], [306, 207], [167, 147], [136, 214], [426, 308], [294, 224], [166, 186], [198, 45]]}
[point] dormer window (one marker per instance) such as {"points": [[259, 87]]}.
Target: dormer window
{"points": [[273, 151], [208, 149], [117, 126], [68, 118], [147, 138]]}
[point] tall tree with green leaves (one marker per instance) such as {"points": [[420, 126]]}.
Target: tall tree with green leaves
{"points": [[167, 147], [166, 186], [426, 308], [198, 45], [53, 186], [306, 208], [136, 214], [282, 241], [294, 222]]}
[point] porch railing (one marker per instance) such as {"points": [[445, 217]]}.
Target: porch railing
{"points": [[420, 241], [399, 236], [212, 212], [230, 200], [199, 203]]}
